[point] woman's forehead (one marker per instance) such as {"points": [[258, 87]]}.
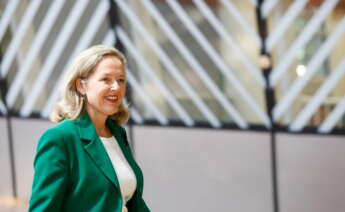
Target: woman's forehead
{"points": [[110, 65]]}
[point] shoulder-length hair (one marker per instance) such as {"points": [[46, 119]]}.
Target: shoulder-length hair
{"points": [[72, 103]]}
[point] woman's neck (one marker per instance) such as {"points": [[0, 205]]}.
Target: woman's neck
{"points": [[99, 121]]}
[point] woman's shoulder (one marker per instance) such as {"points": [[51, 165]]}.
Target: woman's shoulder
{"points": [[65, 126], [59, 132], [57, 140], [117, 128], [120, 128]]}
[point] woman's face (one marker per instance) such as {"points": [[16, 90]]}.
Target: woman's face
{"points": [[105, 88]]}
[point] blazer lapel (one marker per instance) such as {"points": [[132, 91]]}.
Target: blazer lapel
{"points": [[120, 138], [95, 149]]}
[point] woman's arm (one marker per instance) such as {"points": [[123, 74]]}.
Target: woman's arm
{"points": [[49, 185]]}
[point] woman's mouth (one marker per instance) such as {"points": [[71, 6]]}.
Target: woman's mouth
{"points": [[112, 99]]}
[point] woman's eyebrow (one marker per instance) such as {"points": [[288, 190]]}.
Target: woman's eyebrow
{"points": [[114, 74]]}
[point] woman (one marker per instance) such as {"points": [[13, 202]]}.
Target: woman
{"points": [[85, 163]]}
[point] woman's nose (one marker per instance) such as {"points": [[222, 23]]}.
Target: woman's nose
{"points": [[115, 85]]}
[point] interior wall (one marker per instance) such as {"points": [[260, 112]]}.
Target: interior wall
{"points": [[5, 179], [26, 134], [204, 169], [311, 173]]}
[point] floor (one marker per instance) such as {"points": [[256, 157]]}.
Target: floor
{"points": [[9, 204]]}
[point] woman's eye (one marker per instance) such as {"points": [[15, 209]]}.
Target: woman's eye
{"points": [[121, 80]]}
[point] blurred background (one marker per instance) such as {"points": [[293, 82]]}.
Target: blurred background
{"points": [[236, 105]]}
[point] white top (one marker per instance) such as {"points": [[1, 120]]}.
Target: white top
{"points": [[124, 172]]}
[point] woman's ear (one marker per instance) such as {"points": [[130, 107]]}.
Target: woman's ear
{"points": [[80, 84]]}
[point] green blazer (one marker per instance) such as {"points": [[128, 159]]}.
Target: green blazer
{"points": [[74, 173]]}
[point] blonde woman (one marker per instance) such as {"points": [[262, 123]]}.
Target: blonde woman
{"points": [[84, 163]]}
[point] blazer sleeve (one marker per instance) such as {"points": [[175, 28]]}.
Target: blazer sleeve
{"points": [[137, 204], [50, 177]]}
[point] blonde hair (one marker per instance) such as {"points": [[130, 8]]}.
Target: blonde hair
{"points": [[72, 103]]}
